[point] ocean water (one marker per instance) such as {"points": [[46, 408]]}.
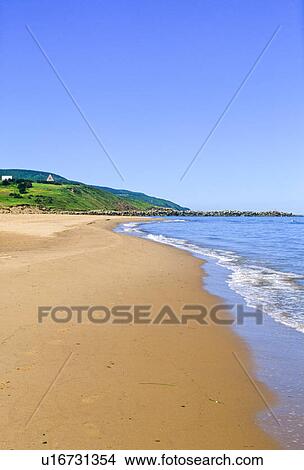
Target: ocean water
{"points": [[259, 262]]}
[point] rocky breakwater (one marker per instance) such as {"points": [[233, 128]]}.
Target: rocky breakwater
{"points": [[155, 212], [161, 212]]}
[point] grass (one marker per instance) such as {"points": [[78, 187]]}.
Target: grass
{"points": [[67, 197]]}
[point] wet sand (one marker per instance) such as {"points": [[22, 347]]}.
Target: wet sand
{"points": [[103, 386]]}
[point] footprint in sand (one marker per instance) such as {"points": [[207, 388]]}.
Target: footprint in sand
{"points": [[4, 385], [111, 364], [23, 369]]}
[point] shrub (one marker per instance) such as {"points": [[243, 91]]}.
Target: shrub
{"points": [[22, 187], [15, 195], [43, 200]]}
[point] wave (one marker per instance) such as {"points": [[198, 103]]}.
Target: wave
{"points": [[280, 294]]}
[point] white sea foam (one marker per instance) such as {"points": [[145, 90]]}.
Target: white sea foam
{"points": [[280, 293]]}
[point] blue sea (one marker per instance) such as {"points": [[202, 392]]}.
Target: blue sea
{"points": [[259, 262]]}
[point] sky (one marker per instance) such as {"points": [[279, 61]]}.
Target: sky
{"points": [[152, 78]]}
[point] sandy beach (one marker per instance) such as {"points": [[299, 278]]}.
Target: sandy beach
{"points": [[103, 386]]}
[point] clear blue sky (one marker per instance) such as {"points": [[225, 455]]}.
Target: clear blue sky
{"points": [[152, 77]]}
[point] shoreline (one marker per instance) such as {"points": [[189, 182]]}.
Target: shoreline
{"points": [[130, 386]]}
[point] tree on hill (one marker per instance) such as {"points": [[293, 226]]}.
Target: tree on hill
{"points": [[23, 186]]}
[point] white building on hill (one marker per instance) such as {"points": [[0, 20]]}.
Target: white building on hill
{"points": [[6, 178], [50, 179]]}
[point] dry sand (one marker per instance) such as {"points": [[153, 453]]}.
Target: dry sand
{"points": [[90, 386]]}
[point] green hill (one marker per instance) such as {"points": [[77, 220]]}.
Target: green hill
{"points": [[131, 195], [66, 196]]}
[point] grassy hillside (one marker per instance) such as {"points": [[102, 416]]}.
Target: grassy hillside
{"points": [[65, 197], [130, 197]]}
